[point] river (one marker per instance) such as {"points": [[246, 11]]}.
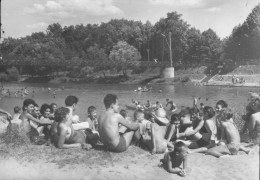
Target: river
{"points": [[93, 94]]}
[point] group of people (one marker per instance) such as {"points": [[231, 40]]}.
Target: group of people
{"points": [[195, 129]]}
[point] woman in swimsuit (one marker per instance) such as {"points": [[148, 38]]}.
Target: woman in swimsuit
{"points": [[62, 133]]}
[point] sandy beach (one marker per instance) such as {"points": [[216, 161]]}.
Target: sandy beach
{"points": [[132, 164]]}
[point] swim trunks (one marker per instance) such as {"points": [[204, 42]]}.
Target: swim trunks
{"points": [[233, 148], [202, 143], [121, 147]]}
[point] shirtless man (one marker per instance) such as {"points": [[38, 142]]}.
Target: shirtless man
{"points": [[26, 116], [230, 138], [62, 133], [108, 126]]}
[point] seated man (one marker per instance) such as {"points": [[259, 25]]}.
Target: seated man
{"points": [[62, 133], [230, 138], [254, 123], [108, 126]]}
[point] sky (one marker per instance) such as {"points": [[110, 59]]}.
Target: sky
{"points": [[23, 17]]}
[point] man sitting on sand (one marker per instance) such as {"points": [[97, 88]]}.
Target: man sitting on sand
{"points": [[108, 126], [230, 138], [62, 133]]}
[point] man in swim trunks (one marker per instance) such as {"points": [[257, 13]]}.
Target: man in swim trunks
{"points": [[108, 126], [230, 138]]}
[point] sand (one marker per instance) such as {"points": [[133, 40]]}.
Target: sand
{"points": [[133, 164]]}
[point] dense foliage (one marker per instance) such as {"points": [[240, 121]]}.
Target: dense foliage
{"points": [[126, 42]]}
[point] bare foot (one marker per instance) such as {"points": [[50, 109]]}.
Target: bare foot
{"points": [[86, 146]]}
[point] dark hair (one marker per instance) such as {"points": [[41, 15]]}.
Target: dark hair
{"points": [[184, 111], [222, 103], [138, 111], [52, 104], [44, 107], [17, 109], [36, 105], [178, 146], [70, 100], [175, 117], [123, 112], [227, 113], [209, 110], [60, 114], [194, 110], [27, 102], [109, 99], [91, 109]]}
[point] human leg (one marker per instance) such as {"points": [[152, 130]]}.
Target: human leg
{"points": [[218, 151], [170, 132]]}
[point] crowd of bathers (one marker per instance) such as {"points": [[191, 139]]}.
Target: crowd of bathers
{"points": [[174, 132]]}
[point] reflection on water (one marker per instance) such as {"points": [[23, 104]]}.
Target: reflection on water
{"points": [[93, 94]]}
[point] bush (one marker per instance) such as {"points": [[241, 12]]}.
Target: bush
{"points": [[3, 77]]}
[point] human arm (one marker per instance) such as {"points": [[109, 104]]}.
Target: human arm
{"points": [[251, 126], [9, 116], [43, 121], [153, 139], [169, 166], [189, 132], [132, 126]]}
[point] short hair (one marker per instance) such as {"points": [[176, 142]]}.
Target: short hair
{"points": [[27, 102], [52, 104], [178, 146], [123, 112], [185, 111], [138, 111], [222, 103], [91, 109], [209, 110], [44, 107], [70, 100], [226, 114], [175, 117], [60, 114], [36, 105], [17, 109], [194, 110], [109, 99]]}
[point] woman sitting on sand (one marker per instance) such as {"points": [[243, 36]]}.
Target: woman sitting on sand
{"points": [[62, 133]]}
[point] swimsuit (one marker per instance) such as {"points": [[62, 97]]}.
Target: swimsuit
{"points": [[202, 143], [121, 147]]}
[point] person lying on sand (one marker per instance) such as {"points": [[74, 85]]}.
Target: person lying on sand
{"points": [[26, 117], [63, 134], [174, 159], [230, 138], [108, 126]]}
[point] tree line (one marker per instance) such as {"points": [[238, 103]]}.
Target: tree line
{"points": [[122, 43]]}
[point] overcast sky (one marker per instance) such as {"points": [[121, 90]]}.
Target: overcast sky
{"points": [[22, 17]]}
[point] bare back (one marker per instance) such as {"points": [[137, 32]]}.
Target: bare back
{"points": [[108, 128], [231, 133]]}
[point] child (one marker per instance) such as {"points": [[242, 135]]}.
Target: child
{"points": [[230, 138], [174, 159], [173, 106], [92, 118], [173, 128], [92, 132], [124, 113]]}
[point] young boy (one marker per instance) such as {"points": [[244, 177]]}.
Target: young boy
{"points": [[230, 138], [92, 131], [174, 159]]}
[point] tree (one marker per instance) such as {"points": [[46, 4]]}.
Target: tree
{"points": [[124, 56]]}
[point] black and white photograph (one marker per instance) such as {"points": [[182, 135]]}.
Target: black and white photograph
{"points": [[129, 89]]}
